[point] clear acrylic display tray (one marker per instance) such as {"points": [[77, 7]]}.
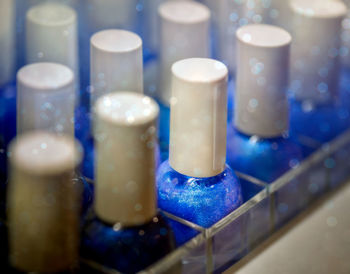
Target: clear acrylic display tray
{"points": [[266, 208]]}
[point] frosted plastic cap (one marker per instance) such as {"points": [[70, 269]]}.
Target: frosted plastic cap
{"points": [[45, 76], [180, 22], [116, 62], [43, 153], [198, 117], [45, 98], [261, 106], [51, 14], [268, 36], [125, 136], [184, 12], [51, 35], [319, 8]]}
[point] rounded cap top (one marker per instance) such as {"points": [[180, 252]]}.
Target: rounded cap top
{"points": [[115, 40], [263, 36], [51, 14], [44, 76], [184, 12], [319, 8], [127, 108], [43, 153], [200, 70]]}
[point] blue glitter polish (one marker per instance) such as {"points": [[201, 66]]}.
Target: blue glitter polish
{"points": [[263, 158], [164, 130], [321, 123], [124, 231], [195, 184], [203, 201], [7, 124], [127, 249], [255, 139]]}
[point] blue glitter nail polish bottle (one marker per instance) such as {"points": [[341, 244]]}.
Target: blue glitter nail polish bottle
{"points": [[195, 183], [125, 232], [256, 142], [318, 110]]}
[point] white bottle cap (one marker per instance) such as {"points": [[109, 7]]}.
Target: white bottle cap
{"points": [[51, 35], [184, 34], [228, 16], [198, 117], [261, 106], [151, 30], [125, 137], [107, 14], [7, 40], [315, 49], [116, 63], [45, 98], [43, 203]]}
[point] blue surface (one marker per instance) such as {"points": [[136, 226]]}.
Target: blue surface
{"points": [[321, 123], [164, 130], [264, 159], [127, 250], [202, 201], [7, 124]]}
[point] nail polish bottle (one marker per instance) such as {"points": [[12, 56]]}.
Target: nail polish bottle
{"points": [[7, 85], [256, 142], [43, 204], [195, 183], [46, 101], [315, 65], [180, 21], [116, 65], [126, 233]]}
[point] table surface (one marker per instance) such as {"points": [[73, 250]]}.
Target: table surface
{"points": [[315, 242]]}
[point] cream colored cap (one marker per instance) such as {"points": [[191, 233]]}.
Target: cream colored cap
{"points": [[198, 117], [125, 139], [43, 203], [51, 35], [261, 106], [116, 63], [315, 49], [45, 98], [181, 21], [105, 14], [7, 40]]}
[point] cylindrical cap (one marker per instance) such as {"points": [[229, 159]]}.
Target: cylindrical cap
{"points": [[125, 137], [315, 49], [7, 40], [107, 14], [43, 203], [228, 16], [51, 35], [181, 21], [198, 117], [261, 106], [45, 98], [116, 63]]}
